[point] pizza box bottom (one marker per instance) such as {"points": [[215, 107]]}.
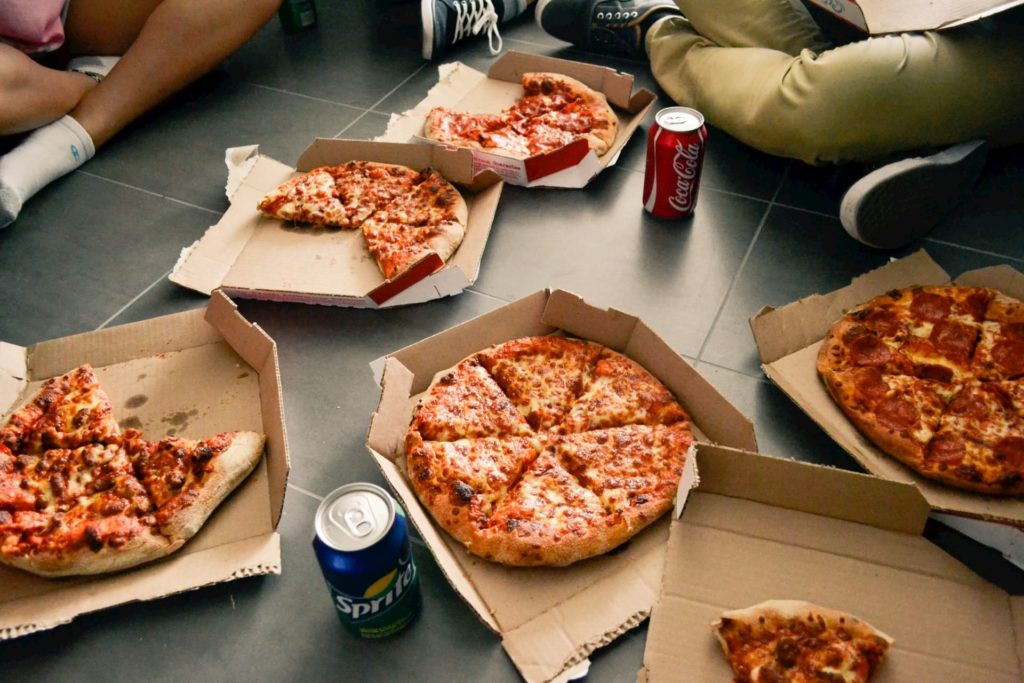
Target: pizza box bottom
{"points": [[192, 374], [756, 528]]}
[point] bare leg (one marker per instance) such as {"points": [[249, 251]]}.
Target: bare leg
{"points": [[32, 95], [165, 46]]}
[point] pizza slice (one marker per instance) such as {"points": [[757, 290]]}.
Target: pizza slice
{"points": [[789, 640], [187, 479], [466, 403], [68, 411], [898, 413], [463, 481], [1000, 352], [619, 392], [542, 376], [485, 132], [634, 470], [309, 198], [89, 515], [574, 108], [548, 519]]}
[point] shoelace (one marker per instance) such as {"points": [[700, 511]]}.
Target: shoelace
{"points": [[472, 17]]}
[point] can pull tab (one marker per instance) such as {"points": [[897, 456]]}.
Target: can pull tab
{"points": [[358, 518]]}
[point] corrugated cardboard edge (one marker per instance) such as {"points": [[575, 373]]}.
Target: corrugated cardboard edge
{"points": [[1017, 610], [880, 17], [251, 556]]}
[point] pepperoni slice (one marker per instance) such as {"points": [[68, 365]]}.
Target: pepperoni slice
{"points": [[1011, 450], [976, 304], [970, 404], [939, 373], [951, 337], [930, 306], [884, 321], [1009, 353], [947, 449], [1014, 331], [869, 383], [869, 350], [897, 413]]}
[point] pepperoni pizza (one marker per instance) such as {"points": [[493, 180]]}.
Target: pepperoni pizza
{"points": [[79, 496], [934, 376], [403, 214], [546, 450], [553, 111]]}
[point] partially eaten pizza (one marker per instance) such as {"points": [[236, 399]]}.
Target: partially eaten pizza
{"points": [[80, 496], [403, 214], [553, 111], [780, 641], [543, 451], [934, 376]]}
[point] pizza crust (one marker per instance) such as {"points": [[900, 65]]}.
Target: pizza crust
{"points": [[84, 561], [231, 467]]}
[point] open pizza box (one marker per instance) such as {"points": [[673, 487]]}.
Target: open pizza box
{"points": [[461, 88], [754, 528], [885, 16], [252, 256], [549, 619], [194, 375], [788, 339]]}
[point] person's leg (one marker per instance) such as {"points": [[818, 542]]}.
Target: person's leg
{"points": [[165, 45], [783, 25], [32, 95], [861, 101]]}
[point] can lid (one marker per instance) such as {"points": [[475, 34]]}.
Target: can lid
{"points": [[679, 119], [354, 516]]}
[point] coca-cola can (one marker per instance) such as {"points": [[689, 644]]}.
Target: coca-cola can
{"points": [[675, 156]]}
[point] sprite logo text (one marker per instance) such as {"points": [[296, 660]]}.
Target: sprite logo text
{"points": [[360, 608]]}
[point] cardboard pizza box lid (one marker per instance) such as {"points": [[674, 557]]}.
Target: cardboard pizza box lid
{"points": [[193, 374], [549, 619], [788, 339], [255, 257], [756, 528], [462, 88], [883, 16]]}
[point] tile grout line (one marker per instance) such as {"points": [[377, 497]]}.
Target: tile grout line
{"points": [[973, 249], [305, 492], [133, 300], [743, 262], [149, 192], [386, 95], [282, 91]]}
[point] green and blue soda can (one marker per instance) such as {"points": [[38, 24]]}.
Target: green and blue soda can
{"points": [[362, 544]]}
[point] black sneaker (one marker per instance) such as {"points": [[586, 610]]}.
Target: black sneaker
{"points": [[446, 22], [902, 201], [606, 26]]}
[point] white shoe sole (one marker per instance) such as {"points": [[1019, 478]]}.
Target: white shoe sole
{"points": [[539, 10], [427, 16], [901, 202]]}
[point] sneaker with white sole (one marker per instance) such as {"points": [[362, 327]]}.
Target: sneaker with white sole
{"points": [[615, 27], [902, 201], [446, 22]]}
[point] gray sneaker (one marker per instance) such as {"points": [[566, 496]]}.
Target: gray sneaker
{"points": [[607, 26], [902, 201], [446, 22]]}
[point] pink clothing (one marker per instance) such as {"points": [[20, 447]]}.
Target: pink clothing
{"points": [[33, 25]]}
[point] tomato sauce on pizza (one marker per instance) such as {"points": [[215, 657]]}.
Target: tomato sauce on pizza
{"points": [[933, 376]]}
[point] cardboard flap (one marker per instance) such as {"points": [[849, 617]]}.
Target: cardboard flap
{"points": [[389, 422], [884, 16], [616, 86], [1017, 610], [1007, 280], [805, 487], [781, 331], [13, 374], [568, 632], [180, 572]]}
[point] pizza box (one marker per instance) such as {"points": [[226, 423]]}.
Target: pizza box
{"points": [[750, 528], [884, 16], [788, 339], [192, 374], [252, 256], [462, 88], [549, 619]]}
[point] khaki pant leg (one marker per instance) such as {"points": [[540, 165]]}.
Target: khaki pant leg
{"points": [[857, 102], [783, 25]]}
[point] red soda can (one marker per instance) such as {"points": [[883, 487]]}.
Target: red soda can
{"points": [[675, 156]]}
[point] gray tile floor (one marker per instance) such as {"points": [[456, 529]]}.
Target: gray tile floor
{"points": [[765, 233]]}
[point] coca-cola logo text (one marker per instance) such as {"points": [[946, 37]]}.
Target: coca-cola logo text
{"points": [[686, 164]]}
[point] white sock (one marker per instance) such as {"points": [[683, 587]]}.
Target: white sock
{"points": [[48, 153]]}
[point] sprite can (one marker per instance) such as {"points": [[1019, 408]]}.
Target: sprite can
{"points": [[362, 545], [297, 13]]}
